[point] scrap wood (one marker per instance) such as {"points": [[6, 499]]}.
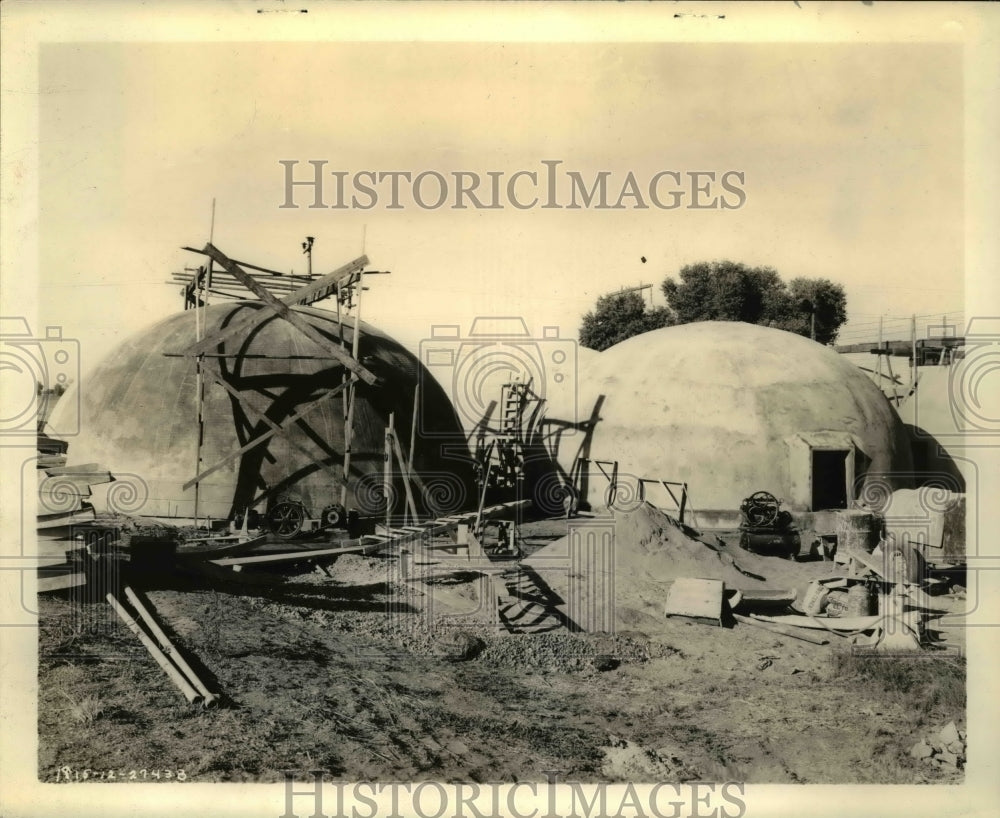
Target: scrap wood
{"points": [[784, 630], [695, 598], [178, 678], [60, 581], [840, 623], [208, 698], [747, 598], [924, 600], [867, 561]]}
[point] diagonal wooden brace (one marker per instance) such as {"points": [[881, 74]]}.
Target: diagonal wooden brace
{"points": [[257, 414], [282, 309], [268, 434]]}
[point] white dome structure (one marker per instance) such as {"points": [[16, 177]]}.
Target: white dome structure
{"points": [[730, 409]]}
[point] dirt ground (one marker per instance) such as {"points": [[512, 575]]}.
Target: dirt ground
{"points": [[355, 673]]}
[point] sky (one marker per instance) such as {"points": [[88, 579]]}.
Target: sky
{"points": [[851, 155]]}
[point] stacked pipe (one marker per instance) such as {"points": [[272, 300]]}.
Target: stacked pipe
{"points": [[165, 654]]}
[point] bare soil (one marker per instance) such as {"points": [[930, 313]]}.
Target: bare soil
{"points": [[356, 675]]}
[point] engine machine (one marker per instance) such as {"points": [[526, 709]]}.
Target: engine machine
{"points": [[765, 528]]}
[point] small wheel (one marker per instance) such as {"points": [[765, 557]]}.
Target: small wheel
{"points": [[761, 508], [286, 518], [333, 516]]}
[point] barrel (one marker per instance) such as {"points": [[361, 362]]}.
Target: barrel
{"points": [[858, 530]]}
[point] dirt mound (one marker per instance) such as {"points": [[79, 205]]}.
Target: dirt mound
{"points": [[653, 544], [632, 572]]}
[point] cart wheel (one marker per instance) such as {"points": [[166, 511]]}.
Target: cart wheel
{"points": [[286, 518]]}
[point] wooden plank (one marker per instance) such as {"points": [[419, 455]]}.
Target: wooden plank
{"points": [[297, 556], [60, 582], [839, 623], [410, 504], [867, 561], [296, 320], [245, 322], [265, 436], [695, 598], [276, 273], [368, 543], [784, 630], [476, 551], [256, 413]]}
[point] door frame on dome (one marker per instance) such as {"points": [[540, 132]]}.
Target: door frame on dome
{"points": [[801, 448]]}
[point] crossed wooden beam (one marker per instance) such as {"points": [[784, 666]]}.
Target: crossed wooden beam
{"points": [[242, 324], [282, 308]]}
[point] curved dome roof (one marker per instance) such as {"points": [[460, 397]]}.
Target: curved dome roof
{"points": [[138, 417], [728, 407]]}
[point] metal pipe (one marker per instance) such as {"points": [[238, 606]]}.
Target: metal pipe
{"points": [[169, 649], [192, 695]]}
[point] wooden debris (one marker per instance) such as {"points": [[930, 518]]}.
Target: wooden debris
{"points": [[784, 630], [840, 623], [207, 697], [192, 695], [696, 598]]}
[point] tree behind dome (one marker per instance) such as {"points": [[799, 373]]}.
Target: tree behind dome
{"points": [[733, 291]]}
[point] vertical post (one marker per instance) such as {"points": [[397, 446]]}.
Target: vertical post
{"points": [[387, 470], [201, 302], [878, 364], [349, 420], [413, 428], [913, 352]]}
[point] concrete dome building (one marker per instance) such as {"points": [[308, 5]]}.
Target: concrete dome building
{"points": [[138, 417], [733, 408]]}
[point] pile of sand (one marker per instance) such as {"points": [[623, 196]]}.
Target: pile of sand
{"points": [[627, 576], [650, 543]]}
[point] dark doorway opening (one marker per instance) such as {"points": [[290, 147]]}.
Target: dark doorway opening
{"points": [[829, 479]]}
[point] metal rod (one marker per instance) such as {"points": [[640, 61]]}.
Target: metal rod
{"points": [[168, 648], [251, 356], [192, 695]]}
